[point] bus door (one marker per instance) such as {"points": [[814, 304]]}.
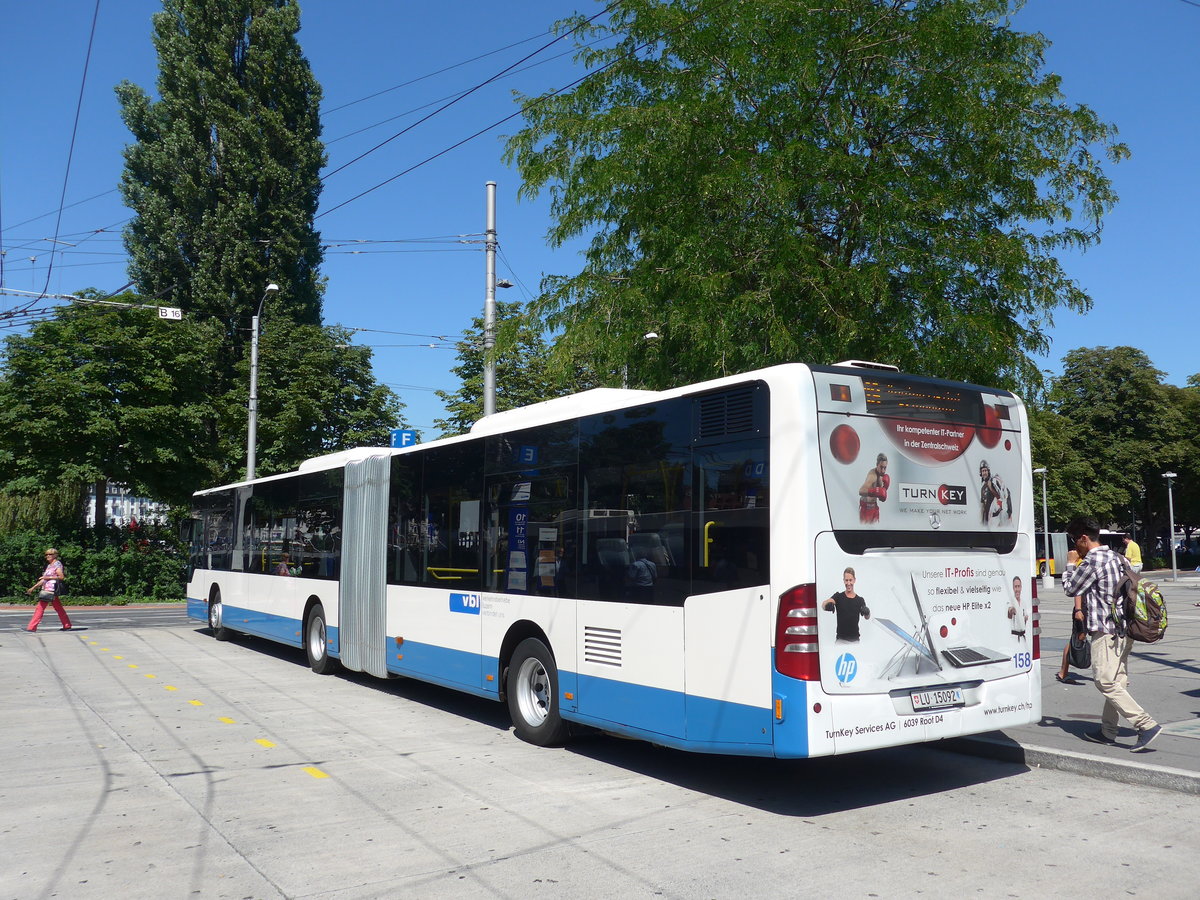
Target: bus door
{"points": [[728, 614], [362, 616]]}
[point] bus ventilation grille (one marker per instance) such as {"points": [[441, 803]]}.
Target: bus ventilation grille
{"points": [[602, 646], [731, 412]]}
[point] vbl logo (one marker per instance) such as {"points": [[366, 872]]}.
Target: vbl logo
{"points": [[952, 495], [465, 603]]}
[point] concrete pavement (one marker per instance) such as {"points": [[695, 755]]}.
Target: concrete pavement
{"points": [[1164, 678]]}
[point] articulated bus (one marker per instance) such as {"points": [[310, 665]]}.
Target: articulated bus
{"points": [[795, 562]]}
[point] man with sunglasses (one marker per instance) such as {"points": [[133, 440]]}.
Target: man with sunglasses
{"points": [[1092, 574]]}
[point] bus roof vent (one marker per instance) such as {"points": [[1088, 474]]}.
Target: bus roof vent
{"points": [[866, 364], [726, 413]]}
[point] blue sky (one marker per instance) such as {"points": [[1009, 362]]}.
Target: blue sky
{"points": [[1134, 61]]}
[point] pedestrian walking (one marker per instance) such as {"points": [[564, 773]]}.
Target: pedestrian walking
{"points": [[49, 586], [1093, 572], [1133, 553]]}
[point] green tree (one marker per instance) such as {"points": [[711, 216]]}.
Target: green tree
{"points": [[224, 181], [774, 180], [523, 375], [317, 394], [98, 393], [1184, 456], [1117, 430], [224, 177]]}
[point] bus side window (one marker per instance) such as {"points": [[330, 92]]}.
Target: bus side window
{"points": [[733, 538], [449, 511]]}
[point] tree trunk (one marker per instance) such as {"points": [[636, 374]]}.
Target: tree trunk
{"points": [[101, 503]]}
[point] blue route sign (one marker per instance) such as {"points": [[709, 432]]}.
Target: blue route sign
{"points": [[403, 437]]}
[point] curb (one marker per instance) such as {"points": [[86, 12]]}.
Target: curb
{"points": [[1008, 750]]}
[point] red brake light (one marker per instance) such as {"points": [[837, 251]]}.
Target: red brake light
{"points": [[796, 634]]}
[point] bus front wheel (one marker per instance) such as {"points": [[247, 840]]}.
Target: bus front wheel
{"points": [[315, 644], [532, 694], [215, 614]]}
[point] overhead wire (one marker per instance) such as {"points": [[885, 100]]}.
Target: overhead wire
{"points": [[465, 94], [74, 133], [496, 124]]}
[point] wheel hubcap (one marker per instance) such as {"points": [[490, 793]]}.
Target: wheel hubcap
{"points": [[316, 639], [533, 692]]}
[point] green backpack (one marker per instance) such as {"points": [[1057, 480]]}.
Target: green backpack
{"points": [[1139, 607]]}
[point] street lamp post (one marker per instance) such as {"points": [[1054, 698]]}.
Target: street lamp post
{"points": [[1171, 476], [252, 406], [647, 337], [1047, 578]]}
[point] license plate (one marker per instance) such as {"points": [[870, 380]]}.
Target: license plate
{"points": [[922, 700]]}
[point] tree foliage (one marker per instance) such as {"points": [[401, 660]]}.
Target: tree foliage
{"points": [[317, 394], [224, 175], [768, 181], [224, 181], [523, 375], [1110, 430], [101, 393]]}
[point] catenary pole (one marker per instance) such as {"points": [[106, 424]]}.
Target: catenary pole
{"points": [[489, 305]]}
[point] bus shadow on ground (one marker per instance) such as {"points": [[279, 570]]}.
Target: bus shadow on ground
{"points": [[802, 787], [433, 696]]}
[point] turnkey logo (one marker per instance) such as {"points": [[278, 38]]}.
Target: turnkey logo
{"points": [[846, 667]]}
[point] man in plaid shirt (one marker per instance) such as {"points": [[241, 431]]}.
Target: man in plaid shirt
{"points": [[1093, 572]]}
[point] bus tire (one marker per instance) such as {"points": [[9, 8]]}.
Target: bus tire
{"points": [[1042, 569], [531, 690], [216, 613], [315, 643]]}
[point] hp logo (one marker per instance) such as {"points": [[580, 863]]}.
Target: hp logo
{"points": [[846, 668]]}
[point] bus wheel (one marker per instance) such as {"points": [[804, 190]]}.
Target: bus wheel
{"points": [[1042, 570], [314, 642], [532, 692], [214, 618]]}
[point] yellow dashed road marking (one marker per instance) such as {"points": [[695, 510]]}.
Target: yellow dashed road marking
{"points": [[170, 687], [195, 703], [315, 772], [133, 665], [226, 720], [117, 657], [148, 675], [264, 742]]}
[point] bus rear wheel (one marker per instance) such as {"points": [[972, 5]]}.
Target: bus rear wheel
{"points": [[215, 614], [315, 643], [531, 690]]}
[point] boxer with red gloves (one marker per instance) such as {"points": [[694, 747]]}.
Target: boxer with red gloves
{"points": [[874, 491]]}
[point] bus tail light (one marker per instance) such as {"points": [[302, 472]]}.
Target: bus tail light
{"points": [[796, 634]]}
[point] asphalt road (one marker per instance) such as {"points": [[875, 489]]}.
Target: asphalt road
{"points": [[150, 761]]}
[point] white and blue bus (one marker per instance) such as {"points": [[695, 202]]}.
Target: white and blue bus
{"points": [[799, 561]]}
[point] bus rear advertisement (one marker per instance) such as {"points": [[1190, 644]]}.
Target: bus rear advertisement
{"points": [[799, 561]]}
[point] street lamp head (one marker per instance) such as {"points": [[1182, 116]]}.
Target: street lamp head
{"points": [[650, 336], [1169, 475], [504, 283], [272, 288], [1041, 471]]}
